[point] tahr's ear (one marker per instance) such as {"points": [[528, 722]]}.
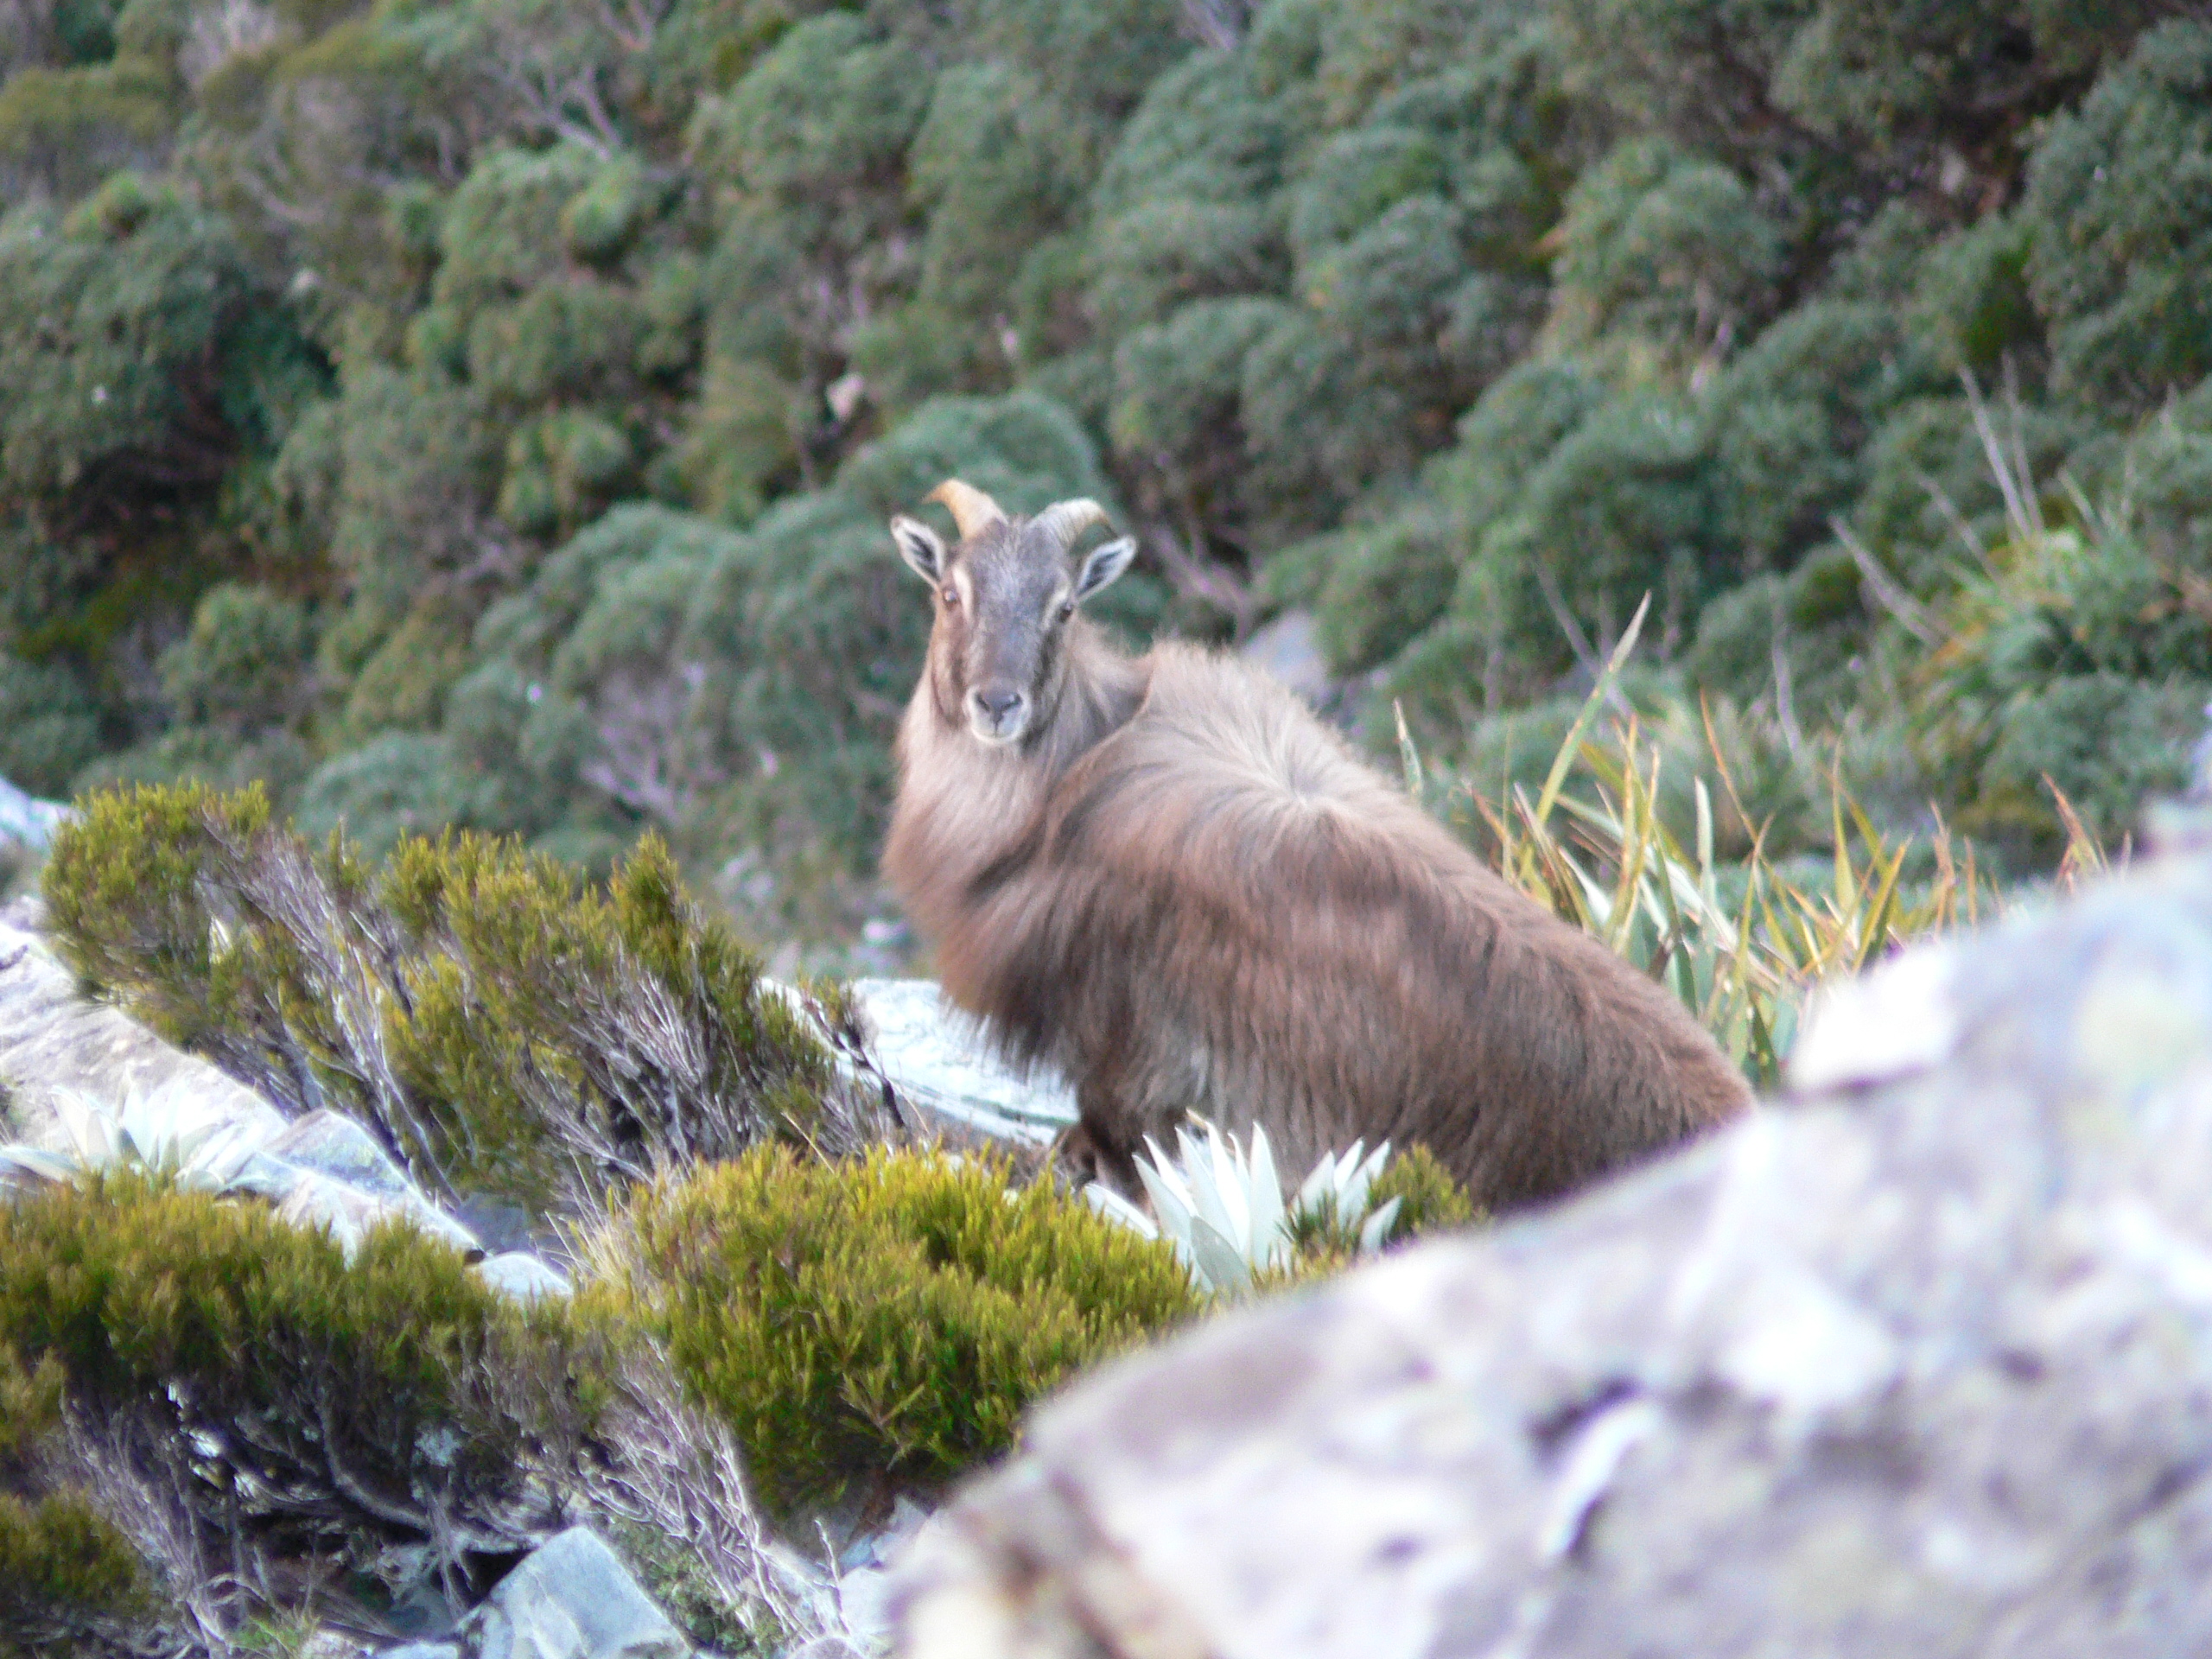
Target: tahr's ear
{"points": [[919, 546], [1103, 564]]}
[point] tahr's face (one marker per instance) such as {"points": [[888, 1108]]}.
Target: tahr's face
{"points": [[1005, 596], [1002, 611]]}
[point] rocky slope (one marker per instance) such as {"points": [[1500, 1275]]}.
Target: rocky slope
{"points": [[1918, 1362]]}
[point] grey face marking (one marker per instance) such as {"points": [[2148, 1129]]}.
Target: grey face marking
{"points": [[1015, 583], [1004, 595]]}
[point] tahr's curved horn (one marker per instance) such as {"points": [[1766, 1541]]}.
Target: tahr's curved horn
{"points": [[1065, 520], [971, 508]]}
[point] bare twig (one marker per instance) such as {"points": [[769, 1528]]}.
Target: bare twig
{"points": [[1914, 617]]}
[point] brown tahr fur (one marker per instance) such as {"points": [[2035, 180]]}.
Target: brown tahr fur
{"points": [[1182, 889]]}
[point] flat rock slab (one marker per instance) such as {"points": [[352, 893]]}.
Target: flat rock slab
{"points": [[1922, 1367], [522, 1277], [52, 1036], [26, 820], [936, 1055], [570, 1598]]}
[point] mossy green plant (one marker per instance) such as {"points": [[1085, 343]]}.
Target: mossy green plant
{"points": [[67, 1576], [1429, 1201], [305, 1405], [503, 1024], [885, 1318]]}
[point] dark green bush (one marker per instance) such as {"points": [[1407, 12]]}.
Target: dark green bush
{"points": [[500, 1022], [296, 1404], [69, 1581], [49, 725], [1430, 1200], [238, 669], [2119, 222], [1463, 323], [891, 1317]]}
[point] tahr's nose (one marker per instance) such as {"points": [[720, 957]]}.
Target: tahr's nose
{"points": [[999, 701]]}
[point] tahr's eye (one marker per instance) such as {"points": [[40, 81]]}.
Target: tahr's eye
{"points": [[1067, 610], [950, 594]]}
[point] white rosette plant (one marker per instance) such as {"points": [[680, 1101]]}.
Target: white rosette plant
{"points": [[1221, 1204]]}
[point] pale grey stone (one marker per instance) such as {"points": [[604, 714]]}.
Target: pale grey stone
{"points": [[522, 1276], [26, 820], [53, 1037], [936, 1057], [350, 1214], [1289, 648], [332, 1144], [571, 1598], [423, 1651], [1920, 1365], [350, 1183], [266, 1176]]}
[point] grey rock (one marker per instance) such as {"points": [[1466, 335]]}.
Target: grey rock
{"points": [[266, 1176], [1290, 649], [327, 1644], [332, 1144], [26, 820], [1920, 1365], [570, 1598], [938, 1059], [350, 1214], [522, 1276], [423, 1651], [350, 1183], [53, 1037]]}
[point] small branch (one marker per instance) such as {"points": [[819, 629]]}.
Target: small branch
{"points": [[1206, 579], [1914, 617]]}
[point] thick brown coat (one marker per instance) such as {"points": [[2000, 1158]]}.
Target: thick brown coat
{"points": [[1188, 894]]}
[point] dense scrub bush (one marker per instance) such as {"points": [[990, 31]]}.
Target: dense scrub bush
{"points": [[1429, 1201], [1463, 324], [893, 1316], [500, 1022], [295, 1405], [69, 1580], [238, 669], [50, 727]]}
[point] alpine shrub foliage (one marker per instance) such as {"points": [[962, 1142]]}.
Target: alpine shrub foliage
{"points": [[450, 443], [884, 1318], [503, 1024], [297, 1405], [69, 1581]]}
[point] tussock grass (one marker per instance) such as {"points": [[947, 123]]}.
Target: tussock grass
{"points": [[1742, 941]]}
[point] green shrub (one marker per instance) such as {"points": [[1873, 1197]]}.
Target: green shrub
{"points": [[296, 1404], [240, 668], [1430, 1201], [893, 1316], [397, 784], [2121, 225], [500, 1023], [67, 1578], [276, 760], [49, 725]]}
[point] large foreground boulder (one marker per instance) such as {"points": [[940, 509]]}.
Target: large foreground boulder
{"points": [[1917, 1363]]}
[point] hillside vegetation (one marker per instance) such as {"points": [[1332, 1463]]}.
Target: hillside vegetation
{"points": [[485, 414]]}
